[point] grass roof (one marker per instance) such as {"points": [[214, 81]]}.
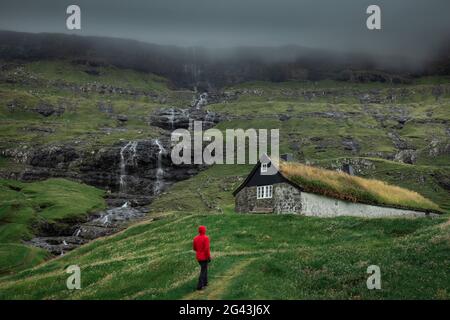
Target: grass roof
{"points": [[343, 186]]}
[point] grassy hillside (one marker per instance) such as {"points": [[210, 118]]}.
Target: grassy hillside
{"points": [[88, 101], [326, 119], [325, 123], [70, 72], [25, 205], [254, 257]]}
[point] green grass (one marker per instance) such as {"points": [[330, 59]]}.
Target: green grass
{"points": [[72, 73], [23, 206], [81, 121], [209, 191], [318, 128], [254, 257]]}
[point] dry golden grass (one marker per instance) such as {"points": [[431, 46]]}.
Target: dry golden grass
{"points": [[351, 188]]}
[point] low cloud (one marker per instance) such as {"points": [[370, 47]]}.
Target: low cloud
{"points": [[411, 28]]}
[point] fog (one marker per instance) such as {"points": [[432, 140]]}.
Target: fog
{"points": [[410, 28]]}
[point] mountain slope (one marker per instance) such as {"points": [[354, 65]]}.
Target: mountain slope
{"points": [[25, 207], [74, 119], [254, 257]]}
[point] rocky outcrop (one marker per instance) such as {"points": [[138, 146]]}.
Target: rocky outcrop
{"points": [[359, 166], [59, 238], [406, 156], [175, 118], [47, 110], [54, 156], [350, 144], [137, 170], [439, 147]]}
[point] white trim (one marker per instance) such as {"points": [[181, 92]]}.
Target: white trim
{"points": [[264, 192], [264, 167]]}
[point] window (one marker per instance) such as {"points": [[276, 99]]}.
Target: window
{"points": [[263, 167], [264, 192]]}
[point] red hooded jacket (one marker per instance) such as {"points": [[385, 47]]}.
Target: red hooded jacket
{"points": [[201, 245]]}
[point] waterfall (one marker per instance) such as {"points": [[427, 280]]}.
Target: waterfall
{"points": [[172, 117], [210, 118], [159, 181], [105, 219], [127, 155], [202, 101], [77, 232]]}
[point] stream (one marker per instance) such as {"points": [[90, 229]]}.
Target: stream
{"points": [[143, 170], [98, 225]]}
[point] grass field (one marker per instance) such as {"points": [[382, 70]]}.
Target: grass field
{"points": [[254, 257], [23, 206]]}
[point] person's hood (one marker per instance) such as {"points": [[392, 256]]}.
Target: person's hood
{"points": [[202, 230]]}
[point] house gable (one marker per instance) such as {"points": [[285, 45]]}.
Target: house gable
{"points": [[255, 178]]}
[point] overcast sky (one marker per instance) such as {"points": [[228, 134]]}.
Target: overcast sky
{"points": [[411, 27]]}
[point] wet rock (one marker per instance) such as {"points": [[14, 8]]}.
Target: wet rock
{"points": [[406, 156], [359, 166], [60, 237], [350, 144], [284, 117], [175, 118], [171, 118], [122, 119], [47, 110], [370, 98], [44, 130], [53, 156], [105, 107], [443, 179], [57, 245], [92, 72], [201, 101], [438, 147], [398, 142]]}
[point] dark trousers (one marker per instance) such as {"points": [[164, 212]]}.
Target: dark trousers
{"points": [[203, 278]]}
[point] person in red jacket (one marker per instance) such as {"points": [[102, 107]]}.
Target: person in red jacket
{"points": [[203, 255]]}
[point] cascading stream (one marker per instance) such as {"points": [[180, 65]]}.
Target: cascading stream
{"points": [[127, 157], [159, 181]]}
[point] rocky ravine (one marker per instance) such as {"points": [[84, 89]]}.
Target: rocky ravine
{"points": [[132, 172]]}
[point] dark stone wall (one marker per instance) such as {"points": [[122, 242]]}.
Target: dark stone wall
{"points": [[286, 199], [246, 201]]}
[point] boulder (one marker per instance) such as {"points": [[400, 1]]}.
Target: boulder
{"points": [[46, 110]]}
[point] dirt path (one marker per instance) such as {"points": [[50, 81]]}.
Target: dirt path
{"points": [[219, 283]]}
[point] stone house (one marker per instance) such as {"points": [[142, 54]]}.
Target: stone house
{"points": [[276, 193]]}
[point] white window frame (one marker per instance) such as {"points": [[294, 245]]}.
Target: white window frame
{"points": [[264, 192], [264, 167]]}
